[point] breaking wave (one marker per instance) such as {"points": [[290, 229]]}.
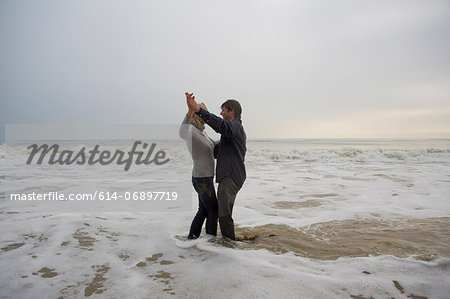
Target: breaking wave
{"points": [[268, 152], [351, 154]]}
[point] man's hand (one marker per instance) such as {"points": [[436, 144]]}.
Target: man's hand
{"points": [[191, 103]]}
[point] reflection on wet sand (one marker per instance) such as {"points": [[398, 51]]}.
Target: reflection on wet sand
{"points": [[425, 239]]}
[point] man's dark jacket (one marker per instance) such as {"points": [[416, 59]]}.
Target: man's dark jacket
{"points": [[231, 148]]}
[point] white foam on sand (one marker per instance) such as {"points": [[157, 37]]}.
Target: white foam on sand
{"points": [[200, 268]]}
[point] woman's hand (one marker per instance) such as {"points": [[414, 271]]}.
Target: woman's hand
{"points": [[190, 111], [191, 103]]}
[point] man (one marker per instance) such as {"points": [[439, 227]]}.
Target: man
{"points": [[230, 169]]}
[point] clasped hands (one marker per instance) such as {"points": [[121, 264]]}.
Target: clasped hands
{"points": [[192, 104]]}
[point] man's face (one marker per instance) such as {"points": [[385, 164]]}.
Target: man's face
{"points": [[227, 114]]}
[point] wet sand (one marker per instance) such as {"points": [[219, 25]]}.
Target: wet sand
{"points": [[425, 239], [288, 205]]}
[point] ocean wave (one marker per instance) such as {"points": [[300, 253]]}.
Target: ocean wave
{"points": [[351, 154], [179, 152]]}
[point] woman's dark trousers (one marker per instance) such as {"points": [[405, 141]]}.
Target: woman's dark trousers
{"points": [[207, 207]]}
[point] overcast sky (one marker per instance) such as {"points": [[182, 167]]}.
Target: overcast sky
{"points": [[299, 68]]}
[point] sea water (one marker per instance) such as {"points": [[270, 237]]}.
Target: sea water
{"points": [[317, 218]]}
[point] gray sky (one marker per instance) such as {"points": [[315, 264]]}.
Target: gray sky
{"points": [[299, 68]]}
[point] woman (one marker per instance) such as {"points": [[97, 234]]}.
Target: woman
{"points": [[201, 147]]}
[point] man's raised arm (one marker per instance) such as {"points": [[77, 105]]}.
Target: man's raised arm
{"points": [[224, 127]]}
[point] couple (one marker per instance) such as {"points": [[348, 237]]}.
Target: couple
{"points": [[230, 170]]}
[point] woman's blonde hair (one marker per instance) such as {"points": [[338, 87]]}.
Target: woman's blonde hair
{"points": [[197, 120]]}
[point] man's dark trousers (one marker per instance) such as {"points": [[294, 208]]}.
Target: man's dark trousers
{"points": [[226, 194]]}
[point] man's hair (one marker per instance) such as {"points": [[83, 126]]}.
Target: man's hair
{"points": [[233, 105]]}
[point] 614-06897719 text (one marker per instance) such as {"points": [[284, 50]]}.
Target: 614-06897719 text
{"points": [[102, 195]]}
